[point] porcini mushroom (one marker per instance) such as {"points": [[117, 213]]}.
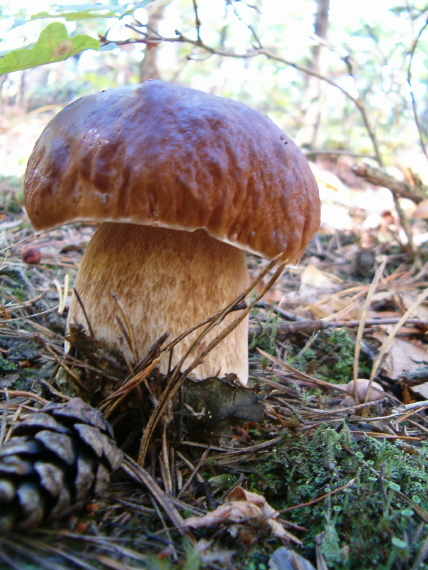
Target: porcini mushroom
{"points": [[183, 183]]}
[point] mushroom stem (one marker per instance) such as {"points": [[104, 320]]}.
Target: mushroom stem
{"points": [[163, 280]]}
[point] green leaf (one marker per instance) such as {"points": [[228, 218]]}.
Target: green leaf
{"points": [[399, 543], [54, 44]]}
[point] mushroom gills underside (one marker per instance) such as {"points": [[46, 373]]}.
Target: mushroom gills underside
{"points": [[164, 281]]}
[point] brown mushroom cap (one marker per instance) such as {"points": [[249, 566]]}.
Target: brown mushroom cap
{"points": [[163, 155]]}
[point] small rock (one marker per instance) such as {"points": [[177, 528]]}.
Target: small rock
{"points": [[285, 559], [376, 390]]}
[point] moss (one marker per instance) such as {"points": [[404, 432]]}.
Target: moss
{"points": [[357, 525], [330, 356], [266, 339], [7, 365]]}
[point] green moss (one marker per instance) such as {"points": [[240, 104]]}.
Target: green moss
{"points": [[330, 356], [358, 525], [6, 365], [266, 339]]}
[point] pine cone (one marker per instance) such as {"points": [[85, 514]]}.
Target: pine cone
{"points": [[56, 460]]}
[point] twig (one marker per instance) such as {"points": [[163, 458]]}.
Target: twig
{"points": [[308, 326], [4, 417], [29, 395], [82, 306], [69, 371], [33, 316], [412, 94], [32, 236], [195, 471], [360, 332], [251, 28], [302, 375], [139, 474], [397, 187], [402, 410], [311, 152], [210, 320], [347, 410], [197, 21], [109, 404], [347, 486], [40, 304]]}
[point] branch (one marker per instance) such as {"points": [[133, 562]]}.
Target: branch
{"points": [[197, 21], [398, 188], [308, 326], [412, 95]]}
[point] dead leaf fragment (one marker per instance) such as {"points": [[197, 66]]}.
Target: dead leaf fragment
{"points": [[233, 512], [242, 506], [240, 494], [313, 279], [408, 298], [421, 390], [403, 356]]}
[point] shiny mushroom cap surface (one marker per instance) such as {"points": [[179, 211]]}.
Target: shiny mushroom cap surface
{"points": [[159, 154]]}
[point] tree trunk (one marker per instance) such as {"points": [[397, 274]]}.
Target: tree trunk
{"points": [[149, 66], [314, 93]]}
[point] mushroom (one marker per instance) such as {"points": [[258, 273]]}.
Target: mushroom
{"points": [[183, 184]]}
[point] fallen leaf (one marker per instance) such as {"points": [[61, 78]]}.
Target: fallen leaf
{"points": [[240, 494], [421, 390], [403, 356], [313, 279], [242, 506], [407, 299], [233, 512]]}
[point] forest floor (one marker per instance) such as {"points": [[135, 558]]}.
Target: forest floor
{"points": [[293, 461]]}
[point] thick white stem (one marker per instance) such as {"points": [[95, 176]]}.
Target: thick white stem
{"points": [[165, 281]]}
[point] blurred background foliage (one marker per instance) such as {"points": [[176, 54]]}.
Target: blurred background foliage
{"points": [[335, 75], [348, 82]]}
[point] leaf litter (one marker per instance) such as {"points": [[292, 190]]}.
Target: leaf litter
{"points": [[215, 457]]}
